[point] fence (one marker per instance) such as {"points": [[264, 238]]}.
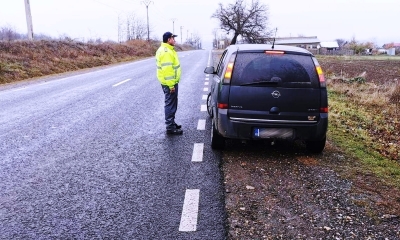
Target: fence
{"points": [[324, 51]]}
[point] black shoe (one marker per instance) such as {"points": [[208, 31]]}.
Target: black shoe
{"points": [[177, 126], [175, 131]]}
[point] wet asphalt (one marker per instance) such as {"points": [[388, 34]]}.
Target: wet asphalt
{"points": [[86, 156]]}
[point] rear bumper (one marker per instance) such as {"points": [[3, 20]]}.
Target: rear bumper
{"points": [[237, 129]]}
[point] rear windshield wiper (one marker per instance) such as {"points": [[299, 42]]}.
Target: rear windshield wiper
{"points": [[259, 83]]}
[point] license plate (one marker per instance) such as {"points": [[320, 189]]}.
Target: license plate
{"points": [[282, 133]]}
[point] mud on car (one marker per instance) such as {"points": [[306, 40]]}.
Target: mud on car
{"points": [[261, 91]]}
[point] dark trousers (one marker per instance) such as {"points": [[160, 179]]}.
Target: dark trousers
{"points": [[171, 105]]}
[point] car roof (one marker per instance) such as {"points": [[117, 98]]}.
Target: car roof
{"points": [[247, 47]]}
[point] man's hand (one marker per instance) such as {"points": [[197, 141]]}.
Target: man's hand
{"points": [[172, 90]]}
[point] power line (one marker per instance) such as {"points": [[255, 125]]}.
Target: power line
{"points": [[106, 5], [115, 8], [161, 23], [181, 34]]}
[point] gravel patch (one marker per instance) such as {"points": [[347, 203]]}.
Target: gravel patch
{"points": [[283, 192]]}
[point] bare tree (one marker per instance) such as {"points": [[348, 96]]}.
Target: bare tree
{"points": [[130, 26], [360, 47], [135, 28], [140, 29], [248, 21], [215, 41], [120, 29], [8, 34], [42, 36], [196, 40], [341, 42]]}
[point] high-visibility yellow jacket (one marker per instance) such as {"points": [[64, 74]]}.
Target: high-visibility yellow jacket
{"points": [[168, 66]]}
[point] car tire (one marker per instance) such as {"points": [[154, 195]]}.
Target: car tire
{"points": [[209, 107], [316, 146], [217, 141]]}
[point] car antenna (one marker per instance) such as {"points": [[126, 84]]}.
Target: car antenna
{"points": [[273, 43]]}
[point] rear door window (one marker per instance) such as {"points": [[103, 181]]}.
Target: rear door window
{"points": [[281, 70]]}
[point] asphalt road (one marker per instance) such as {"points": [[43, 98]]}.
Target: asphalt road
{"points": [[86, 156]]}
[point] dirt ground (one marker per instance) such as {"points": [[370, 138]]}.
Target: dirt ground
{"points": [[281, 191], [376, 71]]}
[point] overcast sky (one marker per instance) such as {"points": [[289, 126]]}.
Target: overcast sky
{"points": [[365, 20]]}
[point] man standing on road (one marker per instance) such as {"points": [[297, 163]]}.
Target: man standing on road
{"points": [[169, 74]]}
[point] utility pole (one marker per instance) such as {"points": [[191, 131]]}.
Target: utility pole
{"points": [[147, 3], [119, 31], [173, 25], [29, 19], [181, 34], [215, 38]]}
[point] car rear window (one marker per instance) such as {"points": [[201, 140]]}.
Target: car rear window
{"points": [[285, 70]]}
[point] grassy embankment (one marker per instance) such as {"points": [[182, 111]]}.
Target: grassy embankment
{"points": [[365, 115], [20, 60]]}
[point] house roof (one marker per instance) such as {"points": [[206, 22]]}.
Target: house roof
{"points": [[332, 44], [392, 44], [297, 40]]}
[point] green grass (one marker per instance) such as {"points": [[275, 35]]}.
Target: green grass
{"points": [[357, 143]]}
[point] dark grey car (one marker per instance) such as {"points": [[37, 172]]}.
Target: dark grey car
{"points": [[261, 91]]}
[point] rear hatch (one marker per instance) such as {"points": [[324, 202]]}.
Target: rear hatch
{"points": [[274, 87]]}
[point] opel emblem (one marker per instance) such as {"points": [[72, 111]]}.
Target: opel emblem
{"points": [[276, 94]]}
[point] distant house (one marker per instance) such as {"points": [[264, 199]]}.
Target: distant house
{"points": [[304, 42], [392, 48], [330, 46], [381, 51]]}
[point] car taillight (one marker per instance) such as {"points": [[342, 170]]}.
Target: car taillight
{"points": [[229, 70], [222, 105], [323, 110], [274, 52], [320, 73]]}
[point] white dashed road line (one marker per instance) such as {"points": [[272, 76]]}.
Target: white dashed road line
{"points": [[121, 82], [190, 211], [201, 125], [198, 152]]}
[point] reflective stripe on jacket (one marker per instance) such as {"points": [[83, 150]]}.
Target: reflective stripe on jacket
{"points": [[168, 66]]}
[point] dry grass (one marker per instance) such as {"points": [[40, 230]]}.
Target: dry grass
{"points": [[366, 106], [21, 60], [369, 94], [394, 97]]}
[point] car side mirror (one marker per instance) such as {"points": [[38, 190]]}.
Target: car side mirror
{"points": [[210, 70]]}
